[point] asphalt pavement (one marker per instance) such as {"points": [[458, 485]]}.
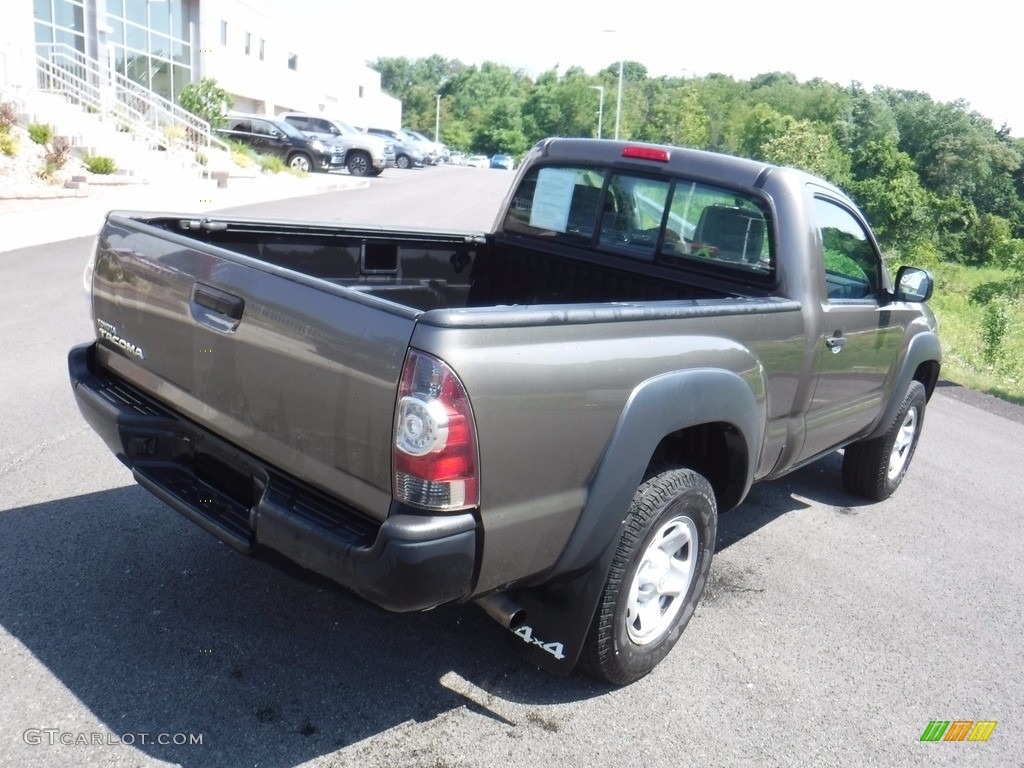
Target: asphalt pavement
{"points": [[37, 217]]}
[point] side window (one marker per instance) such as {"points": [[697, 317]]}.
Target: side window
{"points": [[241, 126], [853, 268], [261, 128]]}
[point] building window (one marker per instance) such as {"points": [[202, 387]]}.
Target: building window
{"points": [[223, 32], [263, 44], [293, 62], [61, 22], [248, 43], [150, 43]]}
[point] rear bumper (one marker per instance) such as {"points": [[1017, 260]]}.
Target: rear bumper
{"points": [[410, 562]]}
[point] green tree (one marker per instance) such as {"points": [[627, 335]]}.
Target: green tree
{"points": [[811, 147], [887, 187], [760, 126], [207, 101]]}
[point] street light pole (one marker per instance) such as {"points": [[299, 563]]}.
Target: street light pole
{"points": [[618, 100], [600, 107], [437, 118], [618, 103]]}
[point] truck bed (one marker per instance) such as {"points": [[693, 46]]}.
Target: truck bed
{"points": [[426, 271]]}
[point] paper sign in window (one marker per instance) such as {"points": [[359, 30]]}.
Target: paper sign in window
{"points": [[552, 198]]}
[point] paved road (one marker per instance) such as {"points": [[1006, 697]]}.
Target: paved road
{"points": [[831, 633]]}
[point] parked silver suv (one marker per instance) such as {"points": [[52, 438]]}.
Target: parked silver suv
{"points": [[365, 155]]}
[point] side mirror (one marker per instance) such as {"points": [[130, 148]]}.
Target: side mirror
{"points": [[913, 284], [276, 134]]}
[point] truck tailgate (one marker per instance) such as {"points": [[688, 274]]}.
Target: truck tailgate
{"points": [[300, 372]]}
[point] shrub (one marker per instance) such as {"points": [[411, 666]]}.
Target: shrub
{"points": [[994, 324], [58, 152], [48, 172], [99, 164], [207, 101], [40, 133], [271, 164], [8, 144], [242, 155], [8, 116], [202, 159], [174, 133]]}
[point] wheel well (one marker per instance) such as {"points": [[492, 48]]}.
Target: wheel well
{"points": [[716, 450], [928, 374]]}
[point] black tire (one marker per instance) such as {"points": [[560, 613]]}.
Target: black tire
{"points": [[403, 162], [376, 171], [300, 161], [670, 528], [875, 468], [359, 164]]}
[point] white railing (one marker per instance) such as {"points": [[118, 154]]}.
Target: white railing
{"points": [[53, 77], [98, 88]]}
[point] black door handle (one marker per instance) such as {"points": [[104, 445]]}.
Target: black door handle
{"points": [[221, 302]]}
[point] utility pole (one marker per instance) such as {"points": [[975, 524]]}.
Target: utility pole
{"points": [[600, 107]]}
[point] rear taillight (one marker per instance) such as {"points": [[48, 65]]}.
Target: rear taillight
{"points": [[434, 452]]}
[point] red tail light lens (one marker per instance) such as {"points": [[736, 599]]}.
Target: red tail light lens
{"points": [[646, 153], [434, 452]]}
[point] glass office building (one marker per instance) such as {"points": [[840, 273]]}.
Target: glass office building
{"points": [[148, 41]]}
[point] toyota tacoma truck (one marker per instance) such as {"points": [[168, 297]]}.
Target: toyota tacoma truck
{"points": [[546, 418]]}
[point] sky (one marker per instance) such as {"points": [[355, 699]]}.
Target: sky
{"points": [[964, 51]]}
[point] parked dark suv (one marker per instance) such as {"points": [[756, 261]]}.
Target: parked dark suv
{"points": [[276, 137]]}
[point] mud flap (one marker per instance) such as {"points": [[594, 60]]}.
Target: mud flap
{"points": [[558, 618]]}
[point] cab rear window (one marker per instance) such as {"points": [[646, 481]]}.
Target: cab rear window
{"points": [[670, 221]]}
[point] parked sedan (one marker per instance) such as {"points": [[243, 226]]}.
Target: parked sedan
{"points": [[502, 161], [477, 161], [276, 137], [407, 154]]}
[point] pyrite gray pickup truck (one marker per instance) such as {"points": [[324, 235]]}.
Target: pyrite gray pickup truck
{"points": [[546, 418]]}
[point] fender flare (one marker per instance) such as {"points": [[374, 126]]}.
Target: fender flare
{"points": [[561, 610], [923, 348]]}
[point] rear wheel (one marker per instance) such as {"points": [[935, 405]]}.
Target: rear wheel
{"points": [[300, 162], [875, 468], [359, 164], [657, 576]]}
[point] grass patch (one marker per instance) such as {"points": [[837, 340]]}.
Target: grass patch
{"points": [[271, 164], [980, 326]]}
